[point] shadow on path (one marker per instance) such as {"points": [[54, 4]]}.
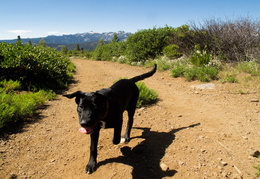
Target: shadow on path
{"points": [[145, 158]]}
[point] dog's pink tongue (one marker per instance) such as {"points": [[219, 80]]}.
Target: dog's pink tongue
{"points": [[83, 130]]}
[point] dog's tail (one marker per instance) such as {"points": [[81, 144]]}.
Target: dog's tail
{"points": [[145, 75]]}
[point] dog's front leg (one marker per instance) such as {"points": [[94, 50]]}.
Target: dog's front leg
{"points": [[91, 166], [117, 131]]}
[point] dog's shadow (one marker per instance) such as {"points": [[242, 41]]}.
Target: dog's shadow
{"points": [[145, 158]]}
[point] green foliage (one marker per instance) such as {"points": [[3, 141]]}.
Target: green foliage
{"points": [[10, 85], [147, 44], [146, 96], [229, 78], [77, 47], [172, 51], [42, 43], [200, 57], [115, 38], [258, 170], [204, 73], [34, 67], [252, 68], [109, 51], [14, 107], [183, 68], [163, 63], [178, 71], [64, 50]]}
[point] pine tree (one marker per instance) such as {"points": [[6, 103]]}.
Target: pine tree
{"points": [[64, 49], [77, 47], [42, 43], [19, 41], [101, 42], [115, 38]]}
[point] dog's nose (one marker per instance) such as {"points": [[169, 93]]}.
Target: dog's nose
{"points": [[83, 123]]}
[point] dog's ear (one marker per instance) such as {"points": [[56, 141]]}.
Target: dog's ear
{"points": [[76, 94], [99, 98]]}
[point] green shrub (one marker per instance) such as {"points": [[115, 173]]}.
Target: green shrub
{"points": [[200, 57], [204, 74], [10, 85], [163, 63], [228, 78], [252, 68], [35, 67], [172, 51], [147, 44], [258, 170], [179, 67], [146, 96]]}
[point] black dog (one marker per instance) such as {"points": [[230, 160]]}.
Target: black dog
{"points": [[104, 109]]}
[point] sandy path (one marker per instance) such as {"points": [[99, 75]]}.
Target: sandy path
{"points": [[190, 133]]}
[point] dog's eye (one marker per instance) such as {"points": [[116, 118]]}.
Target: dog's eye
{"points": [[93, 105], [79, 109]]}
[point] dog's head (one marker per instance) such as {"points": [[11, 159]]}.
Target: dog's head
{"points": [[91, 108]]}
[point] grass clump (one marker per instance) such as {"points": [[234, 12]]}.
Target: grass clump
{"points": [[17, 105], [252, 68], [204, 73], [10, 85], [146, 96], [258, 170]]}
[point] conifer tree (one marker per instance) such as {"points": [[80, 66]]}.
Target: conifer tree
{"points": [[42, 43]]}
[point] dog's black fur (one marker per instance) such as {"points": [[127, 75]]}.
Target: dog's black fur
{"points": [[104, 109]]}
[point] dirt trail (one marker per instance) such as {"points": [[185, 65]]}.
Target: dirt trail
{"points": [[189, 133]]}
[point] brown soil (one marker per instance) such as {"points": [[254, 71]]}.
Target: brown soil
{"points": [[189, 133]]}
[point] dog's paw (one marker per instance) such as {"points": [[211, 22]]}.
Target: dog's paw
{"points": [[90, 168], [124, 140]]}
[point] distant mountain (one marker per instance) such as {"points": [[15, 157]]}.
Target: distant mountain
{"points": [[86, 40]]}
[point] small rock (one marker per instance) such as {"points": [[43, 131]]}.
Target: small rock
{"points": [[52, 161], [223, 163], [180, 115], [255, 153], [164, 167], [254, 100]]}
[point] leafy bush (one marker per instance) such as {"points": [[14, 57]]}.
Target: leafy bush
{"points": [[252, 68], [10, 85], [146, 44], [178, 71], [14, 107], [35, 67], [172, 51], [179, 67], [200, 57], [146, 96], [229, 79], [107, 52], [163, 63], [204, 73]]}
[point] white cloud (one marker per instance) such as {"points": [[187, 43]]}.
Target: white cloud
{"points": [[53, 33], [57, 33], [20, 32]]}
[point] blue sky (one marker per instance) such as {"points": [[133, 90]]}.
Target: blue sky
{"points": [[40, 18]]}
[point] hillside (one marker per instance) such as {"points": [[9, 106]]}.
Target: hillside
{"points": [[86, 40]]}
